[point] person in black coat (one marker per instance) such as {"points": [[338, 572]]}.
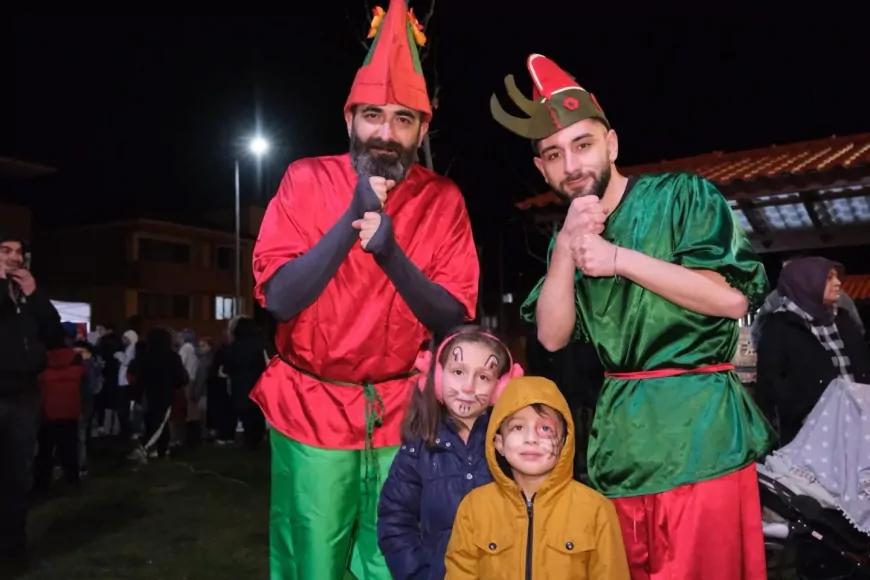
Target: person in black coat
{"points": [[807, 343], [159, 374], [27, 321], [244, 361]]}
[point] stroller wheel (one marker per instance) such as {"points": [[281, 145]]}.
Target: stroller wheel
{"points": [[815, 561]]}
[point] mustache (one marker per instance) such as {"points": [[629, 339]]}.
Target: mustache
{"points": [[376, 143], [577, 175]]}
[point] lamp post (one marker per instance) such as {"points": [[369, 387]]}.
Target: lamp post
{"points": [[258, 146]]}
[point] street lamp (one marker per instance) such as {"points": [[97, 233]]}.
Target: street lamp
{"points": [[258, 146]]}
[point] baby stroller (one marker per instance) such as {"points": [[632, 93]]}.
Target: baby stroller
{"points": [[819, 543], [804, 529]]}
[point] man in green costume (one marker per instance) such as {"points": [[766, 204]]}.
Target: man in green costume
{"points": [[655, 271]]}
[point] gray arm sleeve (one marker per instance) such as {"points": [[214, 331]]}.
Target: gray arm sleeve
{"points": [[433, 306], [299, 282]]}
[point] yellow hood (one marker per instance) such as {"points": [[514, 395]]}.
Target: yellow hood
{"points": [[519, 393]]}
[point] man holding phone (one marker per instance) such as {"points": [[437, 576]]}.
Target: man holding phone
{"points": [[27, 320]]}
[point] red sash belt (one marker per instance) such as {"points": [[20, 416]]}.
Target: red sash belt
{"points": [[660, 373]]}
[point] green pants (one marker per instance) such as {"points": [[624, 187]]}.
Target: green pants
{"points": [[323, 522]]}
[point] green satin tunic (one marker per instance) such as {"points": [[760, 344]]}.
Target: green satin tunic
{"points": [[652, 435]]}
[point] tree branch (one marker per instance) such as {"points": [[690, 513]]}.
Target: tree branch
{"points": [[425, 22], [449, 166], [353, 25], [429, 14]]}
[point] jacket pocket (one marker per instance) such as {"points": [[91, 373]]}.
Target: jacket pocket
{"points": [[499, 555], [566, 557]]}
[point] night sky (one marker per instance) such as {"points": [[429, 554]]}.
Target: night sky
{"points": [[143, 111]]}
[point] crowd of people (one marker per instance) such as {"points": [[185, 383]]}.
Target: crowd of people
{"points": [[60, 387], [171, 390]]}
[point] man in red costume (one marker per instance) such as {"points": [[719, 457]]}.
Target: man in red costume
{"points": [[361, 257]]}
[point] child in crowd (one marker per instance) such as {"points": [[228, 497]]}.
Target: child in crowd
{"points": [[534, 520], [60, 385], [442, 457]]}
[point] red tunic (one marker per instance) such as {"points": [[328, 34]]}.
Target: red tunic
{"points": [[359, 329]]}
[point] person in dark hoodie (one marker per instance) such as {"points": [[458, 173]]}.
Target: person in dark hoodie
{"points": [[243, 362], [159, 374], [27, 318]]}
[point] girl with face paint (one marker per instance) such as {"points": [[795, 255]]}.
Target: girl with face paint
{"points": [[442, 457]]}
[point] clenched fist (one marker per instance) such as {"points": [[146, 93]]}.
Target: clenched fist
{"points": [[586, 215], [381, 187], [370, 194], [594, 256], [368, 226]]}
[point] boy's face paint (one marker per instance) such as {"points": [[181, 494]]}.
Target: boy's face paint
{"points": [[470, 375], [530, 442]]}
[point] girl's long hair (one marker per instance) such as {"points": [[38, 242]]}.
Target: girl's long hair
{"points": [[425, 413]]}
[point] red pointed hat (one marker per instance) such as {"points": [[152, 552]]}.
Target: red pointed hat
{"points": [[391, 73], [557, 102]]}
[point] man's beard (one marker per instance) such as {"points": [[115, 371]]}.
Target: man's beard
{"points": [[597, 186], [367, 162]]}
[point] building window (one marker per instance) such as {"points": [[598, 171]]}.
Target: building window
{"points": [[154, 305], [151, 250], [224, 258], [224, 307]]}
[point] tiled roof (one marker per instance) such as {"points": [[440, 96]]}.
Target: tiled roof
{"points": [[857, 286], [795, 159]]}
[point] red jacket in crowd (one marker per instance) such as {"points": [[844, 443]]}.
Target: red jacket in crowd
{"points": [[61, 385]]}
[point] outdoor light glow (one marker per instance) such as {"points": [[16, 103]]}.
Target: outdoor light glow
{"points": [[259, 146]]}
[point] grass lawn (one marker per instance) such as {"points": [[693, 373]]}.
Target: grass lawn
{"points": [[202, 516], [171, 519]]}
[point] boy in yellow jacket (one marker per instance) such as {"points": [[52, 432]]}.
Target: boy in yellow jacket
{"points": [[534, 520]]}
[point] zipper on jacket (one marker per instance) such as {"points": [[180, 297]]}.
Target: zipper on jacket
{"points": [[530, 512], [18, 312]]}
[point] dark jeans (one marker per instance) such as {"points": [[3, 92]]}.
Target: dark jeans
{"points": [[156, 427], [255, 425], [19, 423], [219, 407], [122, 408], [60, 438], [253, 422]]}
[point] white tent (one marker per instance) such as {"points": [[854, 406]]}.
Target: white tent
{"points": [[78, 312]]}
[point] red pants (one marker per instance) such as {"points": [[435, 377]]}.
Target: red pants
{"points": [[702, 531]]}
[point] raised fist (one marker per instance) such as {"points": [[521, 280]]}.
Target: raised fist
{"points": [[375, 232], [594, 256], [586, 215], [381, 186]]}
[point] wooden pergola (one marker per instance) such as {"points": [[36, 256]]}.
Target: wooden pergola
{"points": [[801, 196]]}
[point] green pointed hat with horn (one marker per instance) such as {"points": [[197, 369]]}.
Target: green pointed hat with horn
{"points": [[557, 102]]}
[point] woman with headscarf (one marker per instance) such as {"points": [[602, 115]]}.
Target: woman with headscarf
{"points": [[197, 403], [125, 358], [807, 342], [183, 412]]}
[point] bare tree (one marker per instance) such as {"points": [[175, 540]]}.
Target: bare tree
{"points": [[427, 60], [428, 54]]}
